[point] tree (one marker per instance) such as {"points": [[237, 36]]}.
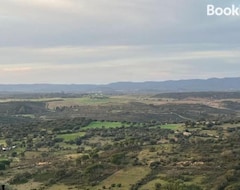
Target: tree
{"points": [[9, 142], [2, 166], [78, 161], [78, 141], [158, 186], [118, 158], [14, 154]]}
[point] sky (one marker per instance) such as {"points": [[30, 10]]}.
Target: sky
{"points": [[105, 41]]}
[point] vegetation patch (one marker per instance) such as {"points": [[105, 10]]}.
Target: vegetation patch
{"points": [[125, 177], [3, 142], [71, 136], [171, 126], [96, 142], [103, 124]]}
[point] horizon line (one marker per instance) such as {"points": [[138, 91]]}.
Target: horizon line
{"points": [[100, 84]]}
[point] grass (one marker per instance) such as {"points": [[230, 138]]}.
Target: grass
{"points": [[172, 127], [36, 185], [32, 116], [30, 99], [3, 142], [68, 146], [100, 124], [149, 156], [125, 177], [151, 184], [3, 159], [72, 156], [209, 132], [79, 101], [60, 187], [29, 185], [88, 100], [71, 136], [197, 180], [32, 154]]}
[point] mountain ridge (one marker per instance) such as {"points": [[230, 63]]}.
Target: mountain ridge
{"points": [[186, 85]]}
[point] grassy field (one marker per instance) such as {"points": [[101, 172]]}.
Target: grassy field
{"points": [[3, 142], [30, 185], [89, 100], [71, 136], [60, 187], [106, 124], [31, 100], [32, 154], [151, 184], [32, 116], [125, 177], [79, 101], [173, 126]]}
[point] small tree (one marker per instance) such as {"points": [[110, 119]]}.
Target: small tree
{"points": [[2, 166], [158, 186]]}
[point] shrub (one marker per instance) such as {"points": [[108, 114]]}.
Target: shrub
{"points": [[118, 158], [2, 166]]}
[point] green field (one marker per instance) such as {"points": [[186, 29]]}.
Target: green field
{"points": [[32, 116], [125, 177], [79, 101], [151, 184], [3, 142], [89, 100], [106, 124], [71, 136], [172, 126], [31, 100]]}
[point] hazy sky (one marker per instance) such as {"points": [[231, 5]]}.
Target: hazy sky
{"points": [[103, 41]]}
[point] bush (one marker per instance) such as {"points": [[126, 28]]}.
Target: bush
{"points": [[158, 186], [14, 154], [2, 166], [5, 162], [119, 185], [233, 187], [21, 178], [180, 186], [118, 158]]}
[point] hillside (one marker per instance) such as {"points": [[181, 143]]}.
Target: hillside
{"points": [[192, 85]]}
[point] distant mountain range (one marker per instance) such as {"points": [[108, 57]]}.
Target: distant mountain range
{"points": [[192, 85]]}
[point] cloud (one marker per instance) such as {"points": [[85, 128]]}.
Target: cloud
{"points": [[103, 64], [81, 55], [104, 22], [99, 41], [16, 69]]}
